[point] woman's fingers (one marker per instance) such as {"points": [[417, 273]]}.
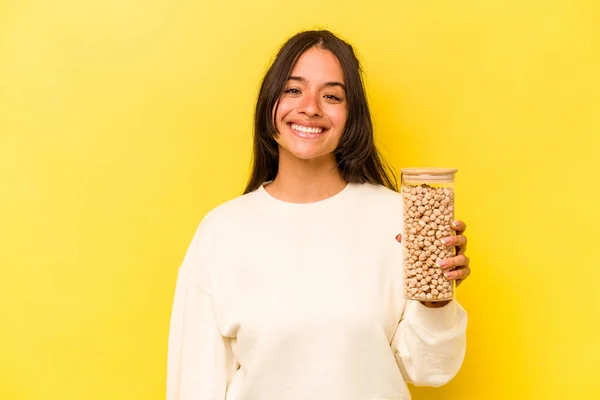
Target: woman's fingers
{"points": [[459, 275], [460, 260], [459, 227], [455, 268], [458, 241]]}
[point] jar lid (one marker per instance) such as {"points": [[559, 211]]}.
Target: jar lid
{"points": [[424, 175]]}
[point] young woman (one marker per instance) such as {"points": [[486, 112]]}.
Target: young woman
{"points": [[293, 291]]}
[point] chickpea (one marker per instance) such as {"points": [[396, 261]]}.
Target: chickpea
{"points": [[428, 213]]}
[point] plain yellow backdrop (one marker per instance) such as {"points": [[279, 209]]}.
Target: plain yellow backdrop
{"points": [[123, 122]]}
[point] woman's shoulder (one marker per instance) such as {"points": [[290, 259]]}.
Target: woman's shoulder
{"points": [[377, 192], [231, 211], [379, 202], [245, 208]]}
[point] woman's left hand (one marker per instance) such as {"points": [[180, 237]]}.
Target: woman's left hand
{"points": [[457, 267]]}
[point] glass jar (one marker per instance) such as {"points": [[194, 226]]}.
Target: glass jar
{"points": [[428, 196]]}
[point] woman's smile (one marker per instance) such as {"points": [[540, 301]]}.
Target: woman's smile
{"points": [[306, 132]]}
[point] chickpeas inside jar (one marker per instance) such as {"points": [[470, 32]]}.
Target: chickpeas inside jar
{"points": [[428, 196]]}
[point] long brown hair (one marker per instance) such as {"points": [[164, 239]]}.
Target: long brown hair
{"points": [[356, 155]]}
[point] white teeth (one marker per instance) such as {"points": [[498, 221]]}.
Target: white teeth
{"points": [[306, 129]]}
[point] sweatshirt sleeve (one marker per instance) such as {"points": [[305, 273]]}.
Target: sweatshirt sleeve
{"points": [[200, 362], [430, 343]]}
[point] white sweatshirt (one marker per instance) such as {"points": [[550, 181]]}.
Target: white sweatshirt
{"points": [[284, 301]]}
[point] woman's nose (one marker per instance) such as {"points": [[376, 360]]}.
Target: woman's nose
{"points": [[310, 105]]}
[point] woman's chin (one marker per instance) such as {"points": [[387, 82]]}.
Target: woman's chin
{"points": [[305, 150], [308, 156]]}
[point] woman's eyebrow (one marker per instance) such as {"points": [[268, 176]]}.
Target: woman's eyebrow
{"points": [[340, 84], [327, 84]]}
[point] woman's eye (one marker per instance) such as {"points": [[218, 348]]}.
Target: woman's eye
{"points": [[332, 97], [292, 91]]}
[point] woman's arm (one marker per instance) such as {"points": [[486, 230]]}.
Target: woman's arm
{"points": [[200, 362], [430, 343]]}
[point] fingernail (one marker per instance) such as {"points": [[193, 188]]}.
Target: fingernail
{"points": [[455, 224], [448, 275], [441, 263], [446, 240]]}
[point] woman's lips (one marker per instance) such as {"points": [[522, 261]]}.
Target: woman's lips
{"points": [[306, 132]]}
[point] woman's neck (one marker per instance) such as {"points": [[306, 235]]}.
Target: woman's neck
{"points": [[306, 181]]}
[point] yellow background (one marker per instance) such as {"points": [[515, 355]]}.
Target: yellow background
{"points": [[123, 122]]}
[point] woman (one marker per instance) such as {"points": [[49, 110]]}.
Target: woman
{"points": [[294, 290]]}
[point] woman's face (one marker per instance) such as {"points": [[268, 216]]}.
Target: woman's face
{"points": [[312, 111]]}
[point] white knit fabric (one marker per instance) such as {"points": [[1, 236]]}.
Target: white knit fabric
{"points": [[284, 301]]}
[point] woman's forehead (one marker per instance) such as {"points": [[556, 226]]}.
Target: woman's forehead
{"points": [[318, 65]]}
